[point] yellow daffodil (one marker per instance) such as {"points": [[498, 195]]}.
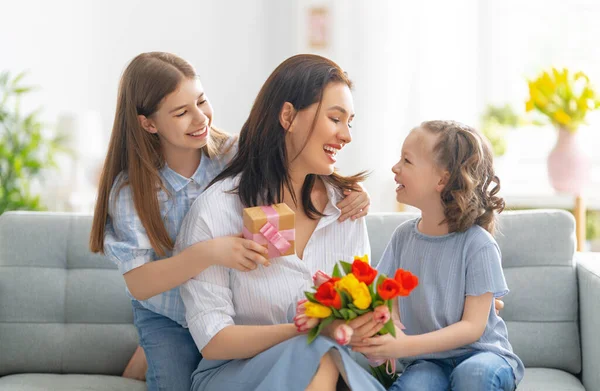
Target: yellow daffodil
{"points": [[529, 105], [563, 96], [561, 117]]}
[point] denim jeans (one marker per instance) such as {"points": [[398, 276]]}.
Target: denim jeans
{"points": [[477, 371], [170, 350]]}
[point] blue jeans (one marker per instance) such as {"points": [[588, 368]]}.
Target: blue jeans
{"points": [[170, 350], [477, 371]]}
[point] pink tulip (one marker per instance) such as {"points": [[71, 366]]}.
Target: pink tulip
{"points": [[319, 278], [381, 314], [304, 323], [342, 334]]}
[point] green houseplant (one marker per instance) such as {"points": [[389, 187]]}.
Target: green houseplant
{"points": [[25, 150], [495, 123]]}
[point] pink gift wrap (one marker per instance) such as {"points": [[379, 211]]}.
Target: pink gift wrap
{"points": [[273, 227]]}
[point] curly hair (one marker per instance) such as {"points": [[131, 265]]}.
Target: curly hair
{"points": [[467, 156]]}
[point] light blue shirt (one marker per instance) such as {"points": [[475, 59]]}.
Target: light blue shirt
{"points": [[126, 242], [449, 268]]}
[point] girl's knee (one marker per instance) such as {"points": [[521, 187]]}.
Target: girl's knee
{"points": [[482, 373]]}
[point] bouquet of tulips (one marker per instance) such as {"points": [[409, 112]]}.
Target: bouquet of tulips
{"points": [[353, 290]]}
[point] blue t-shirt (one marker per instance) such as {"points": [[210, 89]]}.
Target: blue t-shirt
{"points": [[449, 268]]}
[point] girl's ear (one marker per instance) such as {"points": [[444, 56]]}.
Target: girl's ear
{"points": [[147, 124], [444, 178], [286, 116]]}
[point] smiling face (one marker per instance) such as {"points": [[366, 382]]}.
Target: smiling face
{"points": [[316, 153], [183, 118], [419, 179]]}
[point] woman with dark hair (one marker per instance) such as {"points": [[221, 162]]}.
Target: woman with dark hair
{"points": [[242, 322]]}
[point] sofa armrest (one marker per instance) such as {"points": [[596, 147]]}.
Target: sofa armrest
{"points": [[588, 275]]}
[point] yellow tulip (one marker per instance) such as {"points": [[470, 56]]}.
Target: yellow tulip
{"points": [[358, 291], [364, 258], [561, 117], [347, 283], [361, 296], [315, 310]]}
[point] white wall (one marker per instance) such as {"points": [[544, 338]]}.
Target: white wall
{"points": [[76, 50], [410, 61]]}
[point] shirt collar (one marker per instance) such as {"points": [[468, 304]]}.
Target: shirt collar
{"points": [[331, 211], [177, 181]]}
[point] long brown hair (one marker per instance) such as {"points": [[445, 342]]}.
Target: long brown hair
{"points": [[262, 158], [467, 156], [146, 81]]}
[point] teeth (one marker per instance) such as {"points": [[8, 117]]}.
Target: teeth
{"points": [[198, 133], [330, 149]]}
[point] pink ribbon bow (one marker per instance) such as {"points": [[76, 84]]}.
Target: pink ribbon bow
{"points": [[278, 242], [390, 364]]}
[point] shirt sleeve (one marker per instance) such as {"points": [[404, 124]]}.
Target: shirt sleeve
{"points": [[484, 272], [207, 297], [126, 242]]}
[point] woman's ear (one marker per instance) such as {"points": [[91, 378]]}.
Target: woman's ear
{"points": [[286, 116], [147, 124]]}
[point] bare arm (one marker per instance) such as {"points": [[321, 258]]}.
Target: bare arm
{"points": [[468, 330], [156, 277], [239, 342]]}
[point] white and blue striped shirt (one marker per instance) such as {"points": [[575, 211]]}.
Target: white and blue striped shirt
{"points": [[126, 242], [219, 297]]}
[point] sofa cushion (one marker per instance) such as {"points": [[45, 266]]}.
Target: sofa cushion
{"points": [[62, 309], [40, 381], [538, 379]]}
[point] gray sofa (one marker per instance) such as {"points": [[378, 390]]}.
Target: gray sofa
{"points": [[66, 323]]}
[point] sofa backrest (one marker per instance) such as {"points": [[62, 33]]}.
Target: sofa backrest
{"points": [[538, 259], [62, 308]]}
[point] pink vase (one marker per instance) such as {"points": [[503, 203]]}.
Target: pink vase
{"points": [[568, 165]]}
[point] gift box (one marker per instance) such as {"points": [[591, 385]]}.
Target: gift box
{"points": [[273, 227]]}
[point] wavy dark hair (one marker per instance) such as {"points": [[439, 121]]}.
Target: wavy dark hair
{"points": [[262, 159], [470, 196]]}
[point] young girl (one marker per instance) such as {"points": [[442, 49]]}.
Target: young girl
{"points": [[454, 338], [163, 152]]}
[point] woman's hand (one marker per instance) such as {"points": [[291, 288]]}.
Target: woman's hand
{"points": [[362, 327], [355, 204], [235, 252]]}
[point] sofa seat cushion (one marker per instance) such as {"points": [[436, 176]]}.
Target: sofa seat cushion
{"points": [[538, 379], [50, 382]]}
